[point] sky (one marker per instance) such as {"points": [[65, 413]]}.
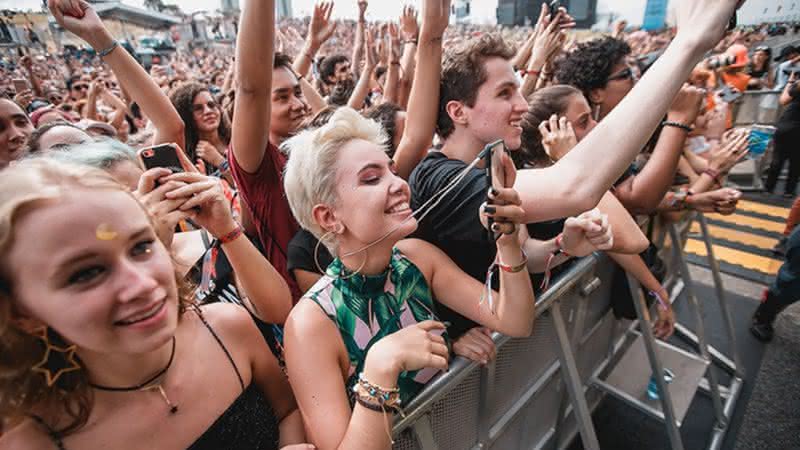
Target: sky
{"points": [[632, 10]]}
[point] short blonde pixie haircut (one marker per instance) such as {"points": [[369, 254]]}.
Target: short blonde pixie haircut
{"points": [[310, 176]]}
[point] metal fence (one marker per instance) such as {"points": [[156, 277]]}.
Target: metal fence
{"points": [[516, 401], [757, 107]]}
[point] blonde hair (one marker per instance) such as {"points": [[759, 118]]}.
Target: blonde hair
{"points": [[310, 177], [25, 186]]}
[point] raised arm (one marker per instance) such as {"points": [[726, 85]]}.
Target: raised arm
{"points": [[391, 90], [361, 26], [423, 102], [254, 61], [361, 90], [85, 23], [578, 181], [409, 30], [642, 192], [319, 30]]}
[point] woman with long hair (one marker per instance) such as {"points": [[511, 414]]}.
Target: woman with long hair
{"points": [[207, 131], [102, 345]]}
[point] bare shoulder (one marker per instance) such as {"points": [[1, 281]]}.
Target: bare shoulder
{"points": [[423, 254], [308, 321], [229, 319], [28, 436]]}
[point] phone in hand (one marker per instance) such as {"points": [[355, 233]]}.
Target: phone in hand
{"points": [[729, 95], [495, 174], [20, 85], [163, 155]]}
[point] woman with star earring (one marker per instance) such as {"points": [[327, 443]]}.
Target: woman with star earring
{"points": [[101, 343]]}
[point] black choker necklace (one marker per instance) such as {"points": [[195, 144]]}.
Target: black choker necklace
{"points": [[151, 383]]}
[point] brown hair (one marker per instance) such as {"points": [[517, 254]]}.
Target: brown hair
{"points": [[463, 73], [542, 104], [182, 98], [24, 188]]}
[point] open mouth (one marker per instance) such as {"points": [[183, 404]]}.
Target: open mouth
{"points": [[143, 316], [399, 208]]}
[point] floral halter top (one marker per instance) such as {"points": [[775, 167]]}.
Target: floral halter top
{"points": [[368, 308]]}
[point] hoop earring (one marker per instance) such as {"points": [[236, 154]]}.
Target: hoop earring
{"points": [[57, 360], [325, 272]]}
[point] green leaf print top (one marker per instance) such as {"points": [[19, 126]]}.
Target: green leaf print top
{"points": [[367, 308]]}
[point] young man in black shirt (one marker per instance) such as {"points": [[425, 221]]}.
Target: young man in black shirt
{"points": [[480, 102]]}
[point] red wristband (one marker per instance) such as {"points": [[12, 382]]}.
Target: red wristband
{"points": [[560, 245], [231, 236]]}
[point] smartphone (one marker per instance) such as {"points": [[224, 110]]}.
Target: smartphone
{"points": [[495, 175], [20, 85], [164, 155], [728, 95]]}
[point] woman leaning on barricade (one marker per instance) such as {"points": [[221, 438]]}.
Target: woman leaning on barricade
{"points": [[368, 329], [102, 345]]}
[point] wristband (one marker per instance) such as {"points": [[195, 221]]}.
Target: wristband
{"points": [[514, 269], [410, 41], [661, 302], [682, 126], [536, 73], [225, 166], [232, 236], [560, 244], [107, 51]]}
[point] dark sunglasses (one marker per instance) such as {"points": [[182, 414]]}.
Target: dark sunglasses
{"points": [[624, 74], [200, 106], [80, 87]]}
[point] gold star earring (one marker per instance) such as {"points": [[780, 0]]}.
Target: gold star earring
{"points": [[57, 360]]}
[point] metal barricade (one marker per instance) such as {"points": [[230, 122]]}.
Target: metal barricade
{"points": [[511, 403], [757, 107]]}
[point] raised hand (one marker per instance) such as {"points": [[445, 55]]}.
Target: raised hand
{"points": [[362, 9], [394, 42], [435, 17], [408, 23], [321, 27], [730, 150], [416, 347], [505, 209], [686, 105], [702, 23], [80, 18], [558, 137]]}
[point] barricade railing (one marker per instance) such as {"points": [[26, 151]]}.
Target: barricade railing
{"points": [[757, 107], [539, 391], [510, 403]]}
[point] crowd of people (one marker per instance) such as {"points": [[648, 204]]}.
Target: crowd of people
{"points": [[329, 240]]}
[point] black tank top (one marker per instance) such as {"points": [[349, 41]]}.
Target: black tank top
{"points": [[248, 423]]}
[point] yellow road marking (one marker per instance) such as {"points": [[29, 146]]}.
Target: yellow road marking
{"points": [[758, 263], [739, 219], [741, 237], [761, 208]]}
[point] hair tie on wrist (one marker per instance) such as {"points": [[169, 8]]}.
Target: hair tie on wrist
{"points": [[682, 126], [107, 51]]}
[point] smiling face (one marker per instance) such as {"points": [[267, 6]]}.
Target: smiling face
{"points": [[15, 128], [499, 106], [289, 107], [206, 112], [371, 198], [100, 278]]}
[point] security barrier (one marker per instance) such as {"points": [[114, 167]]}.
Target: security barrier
{"points": [[511, 403], [757, 107], [539, 391]]}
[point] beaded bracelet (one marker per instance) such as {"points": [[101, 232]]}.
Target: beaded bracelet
{"points": [[682, 126]]}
